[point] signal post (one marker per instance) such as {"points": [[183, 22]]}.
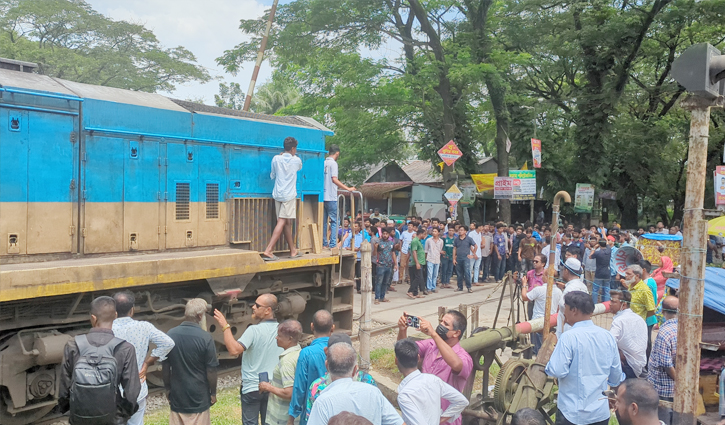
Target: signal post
{"points": [[699, 69]]}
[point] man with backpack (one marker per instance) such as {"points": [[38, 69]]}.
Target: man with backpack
{"points": [[94, 366]]}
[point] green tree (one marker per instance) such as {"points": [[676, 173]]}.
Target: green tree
{"points": [[70, 40], [274, 95], [230, 96]]}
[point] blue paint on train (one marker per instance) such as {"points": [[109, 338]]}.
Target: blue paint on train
{"points": [[133, 153]]}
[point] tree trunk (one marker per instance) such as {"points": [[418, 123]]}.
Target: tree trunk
{"points": [[497, 94], [628, 206]]}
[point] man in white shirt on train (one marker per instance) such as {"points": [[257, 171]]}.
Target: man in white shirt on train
{"points": [[284, 173], [331, 183]]}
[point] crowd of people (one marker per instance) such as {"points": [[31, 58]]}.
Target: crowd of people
{"points": [[104, 372]]}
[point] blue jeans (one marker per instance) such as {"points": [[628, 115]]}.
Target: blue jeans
{"points": [[486, 266], [432, 275], [385, 275], [475, 269], [446, 270], [600, 286], [463, 271], [330, 214], [499, 269], [537, 339]]}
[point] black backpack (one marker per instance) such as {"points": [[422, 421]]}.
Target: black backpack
{"points": [[94, 383]]}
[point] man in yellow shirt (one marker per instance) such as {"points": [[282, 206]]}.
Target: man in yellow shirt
{"points": [[642, 302]]}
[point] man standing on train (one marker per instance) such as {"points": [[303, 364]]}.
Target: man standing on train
{"points": [[284, 173], [330, 198]]}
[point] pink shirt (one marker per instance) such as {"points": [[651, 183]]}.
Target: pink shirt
{"points": [[434, 364], [534, 280]]}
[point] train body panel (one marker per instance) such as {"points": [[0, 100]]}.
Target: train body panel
{"points": [[104, 189]]}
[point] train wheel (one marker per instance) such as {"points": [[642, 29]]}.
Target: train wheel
{"points": [[21, 418]]}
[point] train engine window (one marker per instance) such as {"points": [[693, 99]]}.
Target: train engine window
{"points": [[212, 201], [183, 191]]}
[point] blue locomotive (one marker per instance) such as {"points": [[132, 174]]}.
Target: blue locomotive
{"points": [[103, 189]]}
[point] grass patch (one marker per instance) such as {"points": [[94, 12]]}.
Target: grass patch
{"points": [[226, 411], [383, 361]]}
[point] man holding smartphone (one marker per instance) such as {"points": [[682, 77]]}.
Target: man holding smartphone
{"points": [[261, 353]]}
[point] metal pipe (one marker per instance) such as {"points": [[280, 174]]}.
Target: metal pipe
{"points": [[191, 139], [260, 57], [33, 93], [33, 108], [689, 327], [552, 256]]}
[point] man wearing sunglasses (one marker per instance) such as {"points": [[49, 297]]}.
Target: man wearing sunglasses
{"points": [[259, 345]]}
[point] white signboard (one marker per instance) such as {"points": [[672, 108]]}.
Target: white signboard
{"points": [[503, 188]]}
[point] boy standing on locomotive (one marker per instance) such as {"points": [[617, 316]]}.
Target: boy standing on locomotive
{"points": [[284, 173]]}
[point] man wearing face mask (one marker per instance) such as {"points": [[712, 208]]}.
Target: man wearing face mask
{"points": [[571, 273], [642, 301], [442, 355]]}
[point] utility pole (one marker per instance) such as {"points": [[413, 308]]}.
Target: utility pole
{"points": [[699, 69], [367, 303], [260, 57]]}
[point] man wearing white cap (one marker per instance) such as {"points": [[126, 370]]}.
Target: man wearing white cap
{"points": [[571, 272]]}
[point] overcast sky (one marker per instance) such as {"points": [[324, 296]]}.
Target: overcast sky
{"points": [[206, 28]]}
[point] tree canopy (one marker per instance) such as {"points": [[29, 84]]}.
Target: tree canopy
{"points": [[399, 78], [70, 40]]}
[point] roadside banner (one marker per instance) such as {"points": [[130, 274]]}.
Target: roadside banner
{"points": [[536, 152], [503, 188], [483, 182], [720, 185], [468, 188], [450, 153], [454, 194], [524, 184], [584, 198]]}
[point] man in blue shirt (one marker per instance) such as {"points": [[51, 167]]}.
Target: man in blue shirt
{"points": [[585, 361], [500, 245], [310, 365]]}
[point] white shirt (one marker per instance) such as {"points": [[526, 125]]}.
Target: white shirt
{"points": [[419, 399], [139, 334], [476, 238], [486, 242], [538, 296], [344, 395], [330, 187], [572, 285], [407, 238], [545, 251], [284, 174], [630, 332]]}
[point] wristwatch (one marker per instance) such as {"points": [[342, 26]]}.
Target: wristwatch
{"points": [[227, 326]]}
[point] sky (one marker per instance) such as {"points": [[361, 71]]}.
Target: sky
{"points": [[206, 28]]}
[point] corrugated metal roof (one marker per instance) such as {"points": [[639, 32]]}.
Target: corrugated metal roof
{"points": [[422, 172], [379, 190], [198, 107]]}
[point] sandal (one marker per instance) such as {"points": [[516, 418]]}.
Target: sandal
{"points": [[420, 296], [377, 302], [272, 258], [410, 295], [470, 290], [385, 300]]}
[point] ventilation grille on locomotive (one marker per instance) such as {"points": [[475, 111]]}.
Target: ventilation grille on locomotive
{"points": [[252, 223], [212, 200], [183, 192]]}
